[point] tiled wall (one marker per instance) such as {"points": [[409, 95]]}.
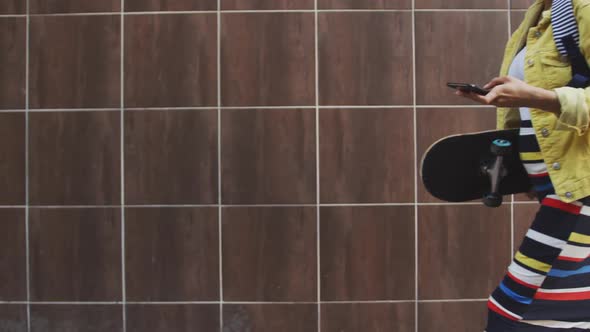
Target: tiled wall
{"points": [[244, 165]]}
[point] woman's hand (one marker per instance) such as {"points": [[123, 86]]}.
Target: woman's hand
{"points": [[508, 91]]}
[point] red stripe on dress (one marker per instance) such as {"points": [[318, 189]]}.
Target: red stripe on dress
{"points": [[554, 203], [521, 282], [499, 311], [540, 175], [571, 259], [563, 296]]}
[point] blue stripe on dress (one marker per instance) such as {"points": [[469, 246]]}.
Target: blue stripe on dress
{"points": [[565, 273], [514, 296]]}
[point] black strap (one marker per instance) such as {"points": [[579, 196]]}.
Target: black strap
{"points": [[566, 36]]}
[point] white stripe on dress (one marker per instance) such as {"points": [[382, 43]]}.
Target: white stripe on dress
{"points": [[524, 131], [585, 210], [574, 251], [525, 275], [558, 324], [564, 290], [504, 309], [536, 168], [525, 113], [545, 239]]}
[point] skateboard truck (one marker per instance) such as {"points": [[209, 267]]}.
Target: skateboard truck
{"points": [[496, 171]]}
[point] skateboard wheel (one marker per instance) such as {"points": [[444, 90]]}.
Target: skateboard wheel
{"points": [[492, 200], [501, 147]]}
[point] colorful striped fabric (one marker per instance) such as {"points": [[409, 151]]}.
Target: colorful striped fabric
{"points": [[547, 285]]}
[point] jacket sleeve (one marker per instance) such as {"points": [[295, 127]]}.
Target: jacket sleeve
{"points": [[575, 102]]}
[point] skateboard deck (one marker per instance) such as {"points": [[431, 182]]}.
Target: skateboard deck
{"points": [[483, 165]]}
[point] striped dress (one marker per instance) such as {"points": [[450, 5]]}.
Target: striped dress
{"points": [[547, 285]]}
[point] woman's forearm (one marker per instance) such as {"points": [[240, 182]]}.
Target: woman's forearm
{"points": [[545, 100]]}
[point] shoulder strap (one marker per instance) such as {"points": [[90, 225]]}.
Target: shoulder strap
{"points": [[567, 39]]}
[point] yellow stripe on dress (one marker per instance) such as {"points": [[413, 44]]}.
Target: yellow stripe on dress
{"points": [[579, 238], [527, 156], [531, 262]]}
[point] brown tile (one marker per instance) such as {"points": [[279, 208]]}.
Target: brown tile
{"points": [[398, 317], [178, 248], [268, 156], [75, 61], [279, 70], [516, 18], [355, 70], [171, 157], [172, 318], [367, 253], [440, 52], [75, 158], [13, 317], [12, 62], [13, 285], [76, 318], [461, 4], [269, 254], [437, 123], [12, 158], [266, 4], [75, 254], [521, 4], [524, 214], [78, 6], [181, 70], [452, 316], [366, 155], [8, 7], [365, 4], [463, 251], [524, 198], [270, 317], [169, 5]]}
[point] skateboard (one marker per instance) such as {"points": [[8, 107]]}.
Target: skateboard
{"points": [[484, 165]]}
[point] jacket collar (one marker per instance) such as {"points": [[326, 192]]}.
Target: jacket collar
{"points": [[519, 37]]}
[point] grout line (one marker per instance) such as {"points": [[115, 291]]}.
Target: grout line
{"points": [[488, 10], [72, 303], [186, 108], [77, 14], [219, 196], [452, 300], [511, 228], [280, 107], [172, 12], [229, 206], [122, 177], [415, 139], [317, 147], [27, 148], [13, 16], [48, 110], [509, 18], [454, 106], [230, 302], [270, 11], [512, 196]]}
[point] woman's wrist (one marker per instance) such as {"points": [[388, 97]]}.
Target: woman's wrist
{"points": [[545, 100]]}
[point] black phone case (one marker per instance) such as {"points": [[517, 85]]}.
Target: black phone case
{"points": [[468, 88]]}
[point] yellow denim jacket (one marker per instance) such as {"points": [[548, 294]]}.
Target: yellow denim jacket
{"points": [[563, 138]]}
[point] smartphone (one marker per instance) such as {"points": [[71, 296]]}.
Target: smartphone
{"points": [[466, 87]]}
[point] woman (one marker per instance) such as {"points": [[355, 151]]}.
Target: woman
{"points": [[547, 285]]}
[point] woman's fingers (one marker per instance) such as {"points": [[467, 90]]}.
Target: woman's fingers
{"points": [[496, 81], [473, 96], [490, 98]]}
